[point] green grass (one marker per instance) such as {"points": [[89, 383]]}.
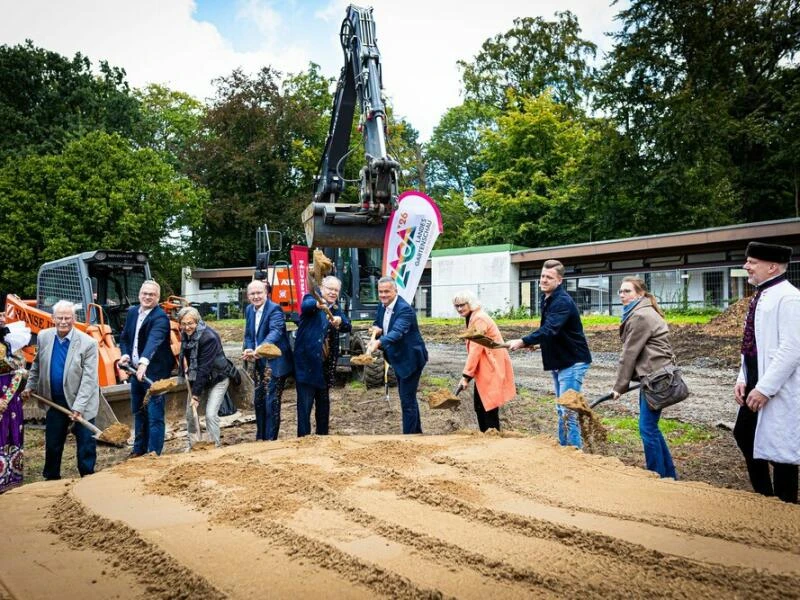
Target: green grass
{"points": [[436, 381], [588, 320], [356, 385], [625, 430]]}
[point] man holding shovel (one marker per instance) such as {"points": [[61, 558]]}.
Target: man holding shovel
{"points": [[65, 371], [145, 344], [402, 344], [565, 351]]}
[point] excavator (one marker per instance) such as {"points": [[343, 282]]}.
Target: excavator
{"points": [[351, 235]]}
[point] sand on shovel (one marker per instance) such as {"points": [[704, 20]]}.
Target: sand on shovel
{"points": [[267, 350], [362, 359], [592, 430], [116, 434], [442, 398], [160, 386]]}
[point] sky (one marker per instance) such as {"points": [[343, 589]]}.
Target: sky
{"points": [[185, 44]]}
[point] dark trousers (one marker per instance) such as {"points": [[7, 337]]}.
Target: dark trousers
{"points": [[487, 419], [319, 398], [267, 404], [407, 388], [784, 476], [148, 421], [55, 436], [784, 485]]}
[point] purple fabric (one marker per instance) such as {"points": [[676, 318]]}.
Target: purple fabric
{"points": [[749, 337], [11, 435]]}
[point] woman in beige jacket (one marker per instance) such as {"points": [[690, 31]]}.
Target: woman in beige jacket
{"points": [[491, 369], [645, 349]]}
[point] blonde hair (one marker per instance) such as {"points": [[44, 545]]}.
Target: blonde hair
{"points": [[468, 298], [191, 312], [640, 287], [552, 263]]}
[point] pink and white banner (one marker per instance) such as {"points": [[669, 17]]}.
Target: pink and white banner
{"points": [[410, 236], [299, 258]]}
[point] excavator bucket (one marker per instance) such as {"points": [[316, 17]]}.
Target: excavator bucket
{"points": [[329, 225]]}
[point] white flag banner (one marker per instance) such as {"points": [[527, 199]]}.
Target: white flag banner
{"points": [[410, 236]]}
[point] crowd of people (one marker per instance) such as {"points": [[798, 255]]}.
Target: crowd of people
{"points": [[64, 370]]}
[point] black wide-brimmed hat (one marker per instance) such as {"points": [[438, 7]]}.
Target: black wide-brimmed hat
{"points": [[769, 252]]}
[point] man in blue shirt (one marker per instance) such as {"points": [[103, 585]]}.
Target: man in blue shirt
{"points": [[65, 371], [565, 351]]}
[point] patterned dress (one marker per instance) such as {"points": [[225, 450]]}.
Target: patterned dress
{"points": [[11, 428]]}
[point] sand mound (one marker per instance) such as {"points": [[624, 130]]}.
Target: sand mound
{"points": [[472, 516]]}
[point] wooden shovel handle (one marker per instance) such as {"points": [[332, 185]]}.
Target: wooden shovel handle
{"points": [[96, 430]]}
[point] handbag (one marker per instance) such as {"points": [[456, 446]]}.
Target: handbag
{"points": [[664, 387]]}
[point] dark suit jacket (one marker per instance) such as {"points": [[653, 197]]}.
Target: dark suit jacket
{"points": [[209, 352], [153, 342], [311, 334], [272, 330], [402, 344]]}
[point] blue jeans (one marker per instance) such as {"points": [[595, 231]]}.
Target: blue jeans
{"points": [[656, 453], [267, 404], [319, 398], [148, 422], [570, 378], [55, 436], [407, 389]]}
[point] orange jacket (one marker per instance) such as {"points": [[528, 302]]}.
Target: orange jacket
{"points": [[491, 369]]}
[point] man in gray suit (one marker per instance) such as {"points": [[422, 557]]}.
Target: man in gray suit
{"points": [[65, 371]]}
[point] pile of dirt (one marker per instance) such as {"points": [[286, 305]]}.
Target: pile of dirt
{"points": [[730, 322]]}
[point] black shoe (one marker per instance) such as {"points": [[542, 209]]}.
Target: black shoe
{"points": [[135, 455]]}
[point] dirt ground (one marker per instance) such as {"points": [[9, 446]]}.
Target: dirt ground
{"points": [[453, 513]]}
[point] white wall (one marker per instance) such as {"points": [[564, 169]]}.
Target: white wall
{"points": [[190, 289], [491, 276]]}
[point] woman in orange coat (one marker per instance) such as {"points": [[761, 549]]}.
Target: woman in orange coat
{"points": [[491, 369]]}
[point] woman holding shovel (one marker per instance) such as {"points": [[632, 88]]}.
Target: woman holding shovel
{"points": [[201, 361], [490, 368], [645, 349]]}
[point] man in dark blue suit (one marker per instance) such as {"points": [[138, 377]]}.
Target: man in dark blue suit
{"points": [[316, 350], [265, 323], [396, 324], [145, 344]]}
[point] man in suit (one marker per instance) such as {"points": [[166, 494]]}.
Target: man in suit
{"points": [[265, 323], [145, 344], [316, 352], [65, 371], [396, 324]]}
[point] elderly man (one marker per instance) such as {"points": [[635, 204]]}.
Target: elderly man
{"points": [[265, 323], [768, 387], [399, 337], [65, 371], [316, 351], [145, 344], [565, 351]]}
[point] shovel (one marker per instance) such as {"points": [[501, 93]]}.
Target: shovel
{"points": [[473, 335], [116, 434], [158, 387], [610, 395]]}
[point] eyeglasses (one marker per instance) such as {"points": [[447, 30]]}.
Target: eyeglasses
{"points": [[462, 305], [330, 289], [624, 291]]}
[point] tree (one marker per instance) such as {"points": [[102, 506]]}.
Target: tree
{"points": [[528, 193], [703, 91], [533, 56], [99, 193], [47, 100], [169, 121], [257, 155]]}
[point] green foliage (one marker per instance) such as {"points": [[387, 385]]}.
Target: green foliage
{"points": [[625, 431], [510, 314], [530, 58], [99, 193], [526, 196], [435, 381], [48, 100]]}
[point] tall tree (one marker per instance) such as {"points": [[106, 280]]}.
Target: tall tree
{"points": [[702, 90], [527, 194], [47, 100], [531, 57], [257, 156], [101, 192]]}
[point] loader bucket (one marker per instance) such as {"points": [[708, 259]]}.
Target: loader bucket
{"points": [[330, 225]]}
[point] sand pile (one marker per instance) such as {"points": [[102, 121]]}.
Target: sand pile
{"points": [[467, 516]]}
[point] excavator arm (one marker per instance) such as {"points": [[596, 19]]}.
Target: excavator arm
{"points": [[330, 223]]}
